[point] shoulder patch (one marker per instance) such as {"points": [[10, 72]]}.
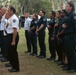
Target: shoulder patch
{"points": [[44, 19], [14, 20], [35, 21], [75, 17]]}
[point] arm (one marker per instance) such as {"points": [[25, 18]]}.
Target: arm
{"points": [[32, 28], [14, 36], [40, 28]]}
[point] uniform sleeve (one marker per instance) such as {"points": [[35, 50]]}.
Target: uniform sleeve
{"points": [[15, 23], [36, 24], [74, 19], [44, 21]]}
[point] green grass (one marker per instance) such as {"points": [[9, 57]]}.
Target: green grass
{"points": [[30, 65]]}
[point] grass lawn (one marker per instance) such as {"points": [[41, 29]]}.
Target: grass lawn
{"points": [[30, 65]]}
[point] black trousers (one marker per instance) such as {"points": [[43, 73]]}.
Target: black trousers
{"points": [[41, 38], [28, 42], [59, 47], [70, 42], [52, 47], [5, 47], [12, 52], [33, 39], [2, 43]]}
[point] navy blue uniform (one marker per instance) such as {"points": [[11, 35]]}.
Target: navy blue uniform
{"points": [[58, 42], [41, 36], [61, 36], [33, 36], [51, 43], [70, 38]]}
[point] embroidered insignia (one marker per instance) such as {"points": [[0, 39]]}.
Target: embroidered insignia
{"points": [[14, 20], [75, 17]]}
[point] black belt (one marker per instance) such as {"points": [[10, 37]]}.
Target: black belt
{"points": [[11, 33]]}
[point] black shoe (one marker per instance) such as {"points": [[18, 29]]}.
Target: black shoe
{"points": [[72, 71], [13, 70], [33, 54], [4, 60], [65, 65], [57, 61], [8, 65], [27, 52], [40, 56], [51, 59], [66, 68]]}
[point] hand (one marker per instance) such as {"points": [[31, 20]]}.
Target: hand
{"points": [[37, 30], [28, 30], [57, 36], [56, 25], [13, 43], [52, 38], [37, 33], [48, 26], [64, 26]]}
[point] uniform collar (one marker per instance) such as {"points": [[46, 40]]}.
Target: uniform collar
{"points": [[69, 13]]}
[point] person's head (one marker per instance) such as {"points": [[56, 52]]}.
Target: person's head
{"points": [[7, 16], [35, 16], [3, 10], [52, 14], [42, 13], [63, 13], [70, 7], [58, 14], [27, 15], [11, 10]]}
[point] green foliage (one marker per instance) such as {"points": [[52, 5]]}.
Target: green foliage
{"points": [[34, 6]]}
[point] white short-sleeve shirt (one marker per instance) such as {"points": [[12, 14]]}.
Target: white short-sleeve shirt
{"points": [[27, 23], [13, 22], [2, 23]]}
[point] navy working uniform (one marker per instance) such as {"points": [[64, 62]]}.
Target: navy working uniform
{"points": [[57, 41], [51, 42], [33, 36], [61, 36], [41, 36], [70, 39]]}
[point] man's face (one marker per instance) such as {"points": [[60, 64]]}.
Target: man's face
{"points": [[26, 15], [51, 14], [40, 13], [58, 15], [68, 8], [10, 12]]}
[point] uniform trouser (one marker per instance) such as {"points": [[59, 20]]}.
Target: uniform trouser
{"points": [[33, 39], [64, 50], [2, 43], [28, 40], [52, 47], [59, 47], [5, 47], [70, 49], [41, 38], [12, 52]]}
